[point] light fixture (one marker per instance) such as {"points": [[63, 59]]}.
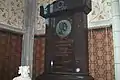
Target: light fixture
{"points": [[51, 63], [77, 69]]}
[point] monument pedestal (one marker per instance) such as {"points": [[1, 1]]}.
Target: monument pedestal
{"points": [[64, 76]]}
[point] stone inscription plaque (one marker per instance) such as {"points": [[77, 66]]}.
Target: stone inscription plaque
{"points": [[63, 55], [63, 43], [66, 44]]}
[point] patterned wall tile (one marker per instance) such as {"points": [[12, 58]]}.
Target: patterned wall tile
{"points": [[16, 13], [4, 11], [101, 10], [12, 12]]}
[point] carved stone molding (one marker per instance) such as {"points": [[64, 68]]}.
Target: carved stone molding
{"points": [[13, 29]]}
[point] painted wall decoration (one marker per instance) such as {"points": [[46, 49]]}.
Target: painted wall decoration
{"points": [[12, 12], [101, 10]]}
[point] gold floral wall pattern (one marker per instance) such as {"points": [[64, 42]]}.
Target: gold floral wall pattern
{"points": [[12, 12]]}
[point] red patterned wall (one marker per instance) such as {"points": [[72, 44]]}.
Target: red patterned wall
{"points": [[38, 62], [10, 54], [101, 58]]}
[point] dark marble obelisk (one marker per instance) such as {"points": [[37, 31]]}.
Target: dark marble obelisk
{"points": [[66, 52]]}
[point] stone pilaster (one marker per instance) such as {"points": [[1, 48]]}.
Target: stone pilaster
{"points": [[28, 36], [116, 36]]}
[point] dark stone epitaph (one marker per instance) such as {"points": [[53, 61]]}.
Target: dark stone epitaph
{"points": [[66, 52]]}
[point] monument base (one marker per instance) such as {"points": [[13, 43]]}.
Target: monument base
{"points": [[64, 76]]}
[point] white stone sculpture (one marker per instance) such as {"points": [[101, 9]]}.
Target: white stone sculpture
{"points": [[24, 73]]}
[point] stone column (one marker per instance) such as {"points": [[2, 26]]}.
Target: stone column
{"points": [[28, 36], [116, 36]]}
